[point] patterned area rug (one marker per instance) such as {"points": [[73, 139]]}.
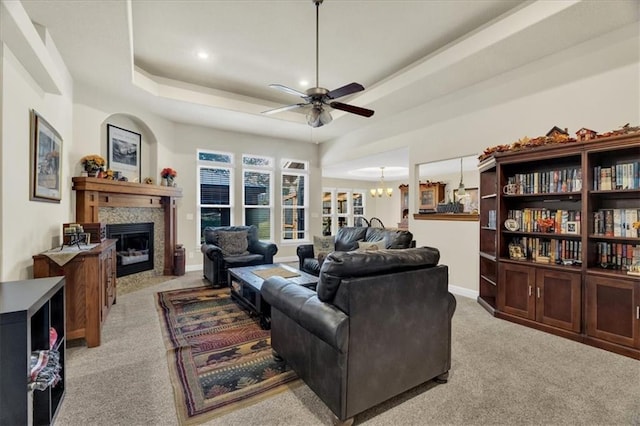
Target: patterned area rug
{"points": [[219, 357]]}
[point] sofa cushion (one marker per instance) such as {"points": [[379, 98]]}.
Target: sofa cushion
{"points": [[372, 245], [211, 233], [339, 265], [347, 238], [395, 239], [233, 243]]}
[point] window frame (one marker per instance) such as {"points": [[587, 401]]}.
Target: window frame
{"points": [[286, 171], [268, 170], [349, 216], [208, 164]]}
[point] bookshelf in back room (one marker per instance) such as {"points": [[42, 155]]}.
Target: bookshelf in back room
{"points": [[564, 240]]}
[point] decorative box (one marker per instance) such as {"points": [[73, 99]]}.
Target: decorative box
{"points": [[97, 231]]}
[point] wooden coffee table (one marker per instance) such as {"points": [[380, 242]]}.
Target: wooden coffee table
{"points": [[245, 288]]}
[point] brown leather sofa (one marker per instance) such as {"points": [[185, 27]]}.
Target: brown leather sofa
{"points": [[379, 325], [216, 261], [347, 239]]}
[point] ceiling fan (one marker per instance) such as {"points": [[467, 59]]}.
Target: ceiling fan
{"points": [[320, 98]]}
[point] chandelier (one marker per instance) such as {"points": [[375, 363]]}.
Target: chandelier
{"points": [[381, 189], [461, 191]]}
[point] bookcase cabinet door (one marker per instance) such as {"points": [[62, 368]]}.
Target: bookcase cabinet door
{"points": [[558, 299], [515, 295], [613, 310]]}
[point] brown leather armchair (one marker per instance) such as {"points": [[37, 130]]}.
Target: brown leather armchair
{"points": [[379, 325], [216, 261]]}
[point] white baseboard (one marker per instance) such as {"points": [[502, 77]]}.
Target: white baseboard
{"points": [[465, 292]]}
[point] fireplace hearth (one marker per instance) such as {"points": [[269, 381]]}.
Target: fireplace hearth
{"points": [[134, 248]]}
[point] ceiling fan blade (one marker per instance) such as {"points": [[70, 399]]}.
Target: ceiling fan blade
{"points": [[345, 90], [352, 109], [282, 109], [288, 90]]}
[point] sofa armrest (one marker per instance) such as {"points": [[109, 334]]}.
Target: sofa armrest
{"points": [[304, 251], [268, 250], [302, 306], [211, 250]]}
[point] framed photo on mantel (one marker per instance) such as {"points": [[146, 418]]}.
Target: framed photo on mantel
{"points": [[124, 152]]}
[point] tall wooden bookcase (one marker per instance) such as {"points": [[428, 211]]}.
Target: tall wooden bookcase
{"points": [[572, 281]]}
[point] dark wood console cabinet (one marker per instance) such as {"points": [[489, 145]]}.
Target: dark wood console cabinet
{"points": [[572, 280], [91, 288], [28, 309]]}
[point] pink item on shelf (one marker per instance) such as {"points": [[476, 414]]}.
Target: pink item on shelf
{"points": [[53, 337]]}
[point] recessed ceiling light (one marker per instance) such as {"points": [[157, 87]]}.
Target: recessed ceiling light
{"points": [[303, 83], [203, 55]]}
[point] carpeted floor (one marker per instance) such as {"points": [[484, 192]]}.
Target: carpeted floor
{"points": [[502, 373]]}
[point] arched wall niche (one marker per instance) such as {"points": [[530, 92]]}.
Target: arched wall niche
{"points": [[149, 145]]}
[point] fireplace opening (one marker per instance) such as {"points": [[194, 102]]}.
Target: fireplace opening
{"points": [[134, 248]]}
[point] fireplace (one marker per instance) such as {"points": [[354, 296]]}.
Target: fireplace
{"points": [[134, 248]]}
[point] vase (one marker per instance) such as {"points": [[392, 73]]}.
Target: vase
{"points": [[92, 173], [170, 181], [163, 182]]}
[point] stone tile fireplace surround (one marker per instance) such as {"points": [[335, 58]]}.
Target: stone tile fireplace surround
{"points": [[110, 202]]}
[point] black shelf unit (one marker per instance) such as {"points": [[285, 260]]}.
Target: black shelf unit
{"points": [[28, 309]]}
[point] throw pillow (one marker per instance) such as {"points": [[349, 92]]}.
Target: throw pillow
{"points": [[233, 243], [373, 245], [325, 244]]}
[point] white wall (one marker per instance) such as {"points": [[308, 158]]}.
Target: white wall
{"points": [[595, 85], [30, 227]]}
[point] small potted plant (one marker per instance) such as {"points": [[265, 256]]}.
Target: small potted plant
{"points": [[169, 174], [92, 164]]}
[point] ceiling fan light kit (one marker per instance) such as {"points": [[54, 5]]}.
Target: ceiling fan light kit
{"points": [[318, 98]]}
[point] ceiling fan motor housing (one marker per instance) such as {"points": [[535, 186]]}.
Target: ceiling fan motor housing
{"points": [[315, 92]]}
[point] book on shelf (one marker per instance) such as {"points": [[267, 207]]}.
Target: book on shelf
{"points": [[557, 250], [618, 256], [616, 222], [624, 175], [548, 182], [527, 219]]}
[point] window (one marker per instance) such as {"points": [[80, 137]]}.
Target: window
{"points": [[342, 207], [215, 189], [257, 190], [294, 200], [327, 212]]}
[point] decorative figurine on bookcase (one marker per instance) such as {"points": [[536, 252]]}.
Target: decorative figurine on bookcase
{"points": [[517, 252]]}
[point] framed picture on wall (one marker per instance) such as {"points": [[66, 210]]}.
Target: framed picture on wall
{"points": [[124, 152], [46, 157]]}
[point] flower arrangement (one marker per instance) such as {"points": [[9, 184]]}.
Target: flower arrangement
{"points": [[545, 224], [92, 163], [168, 173]]}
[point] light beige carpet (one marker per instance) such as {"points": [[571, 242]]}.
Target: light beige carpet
{"points": [[502, 374]]}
